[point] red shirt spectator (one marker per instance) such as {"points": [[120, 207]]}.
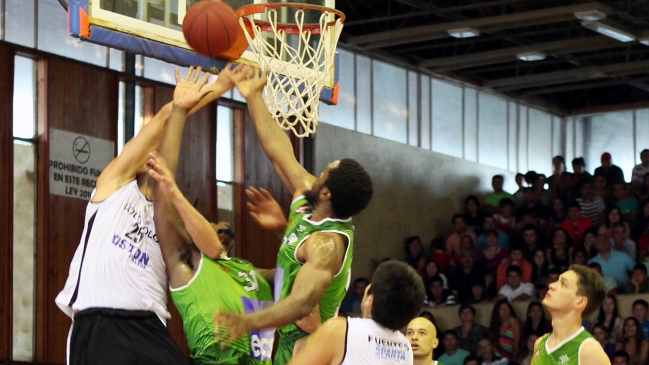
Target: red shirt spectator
{"points": [[576, 225], [515, 258]]}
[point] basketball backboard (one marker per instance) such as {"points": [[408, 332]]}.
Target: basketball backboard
{"points": [[154, 28]]}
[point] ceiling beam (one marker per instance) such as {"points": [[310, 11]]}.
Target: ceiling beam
{"points": [[566, 76], [550, 48], [418, 4], [428, 32], [582, 86]]}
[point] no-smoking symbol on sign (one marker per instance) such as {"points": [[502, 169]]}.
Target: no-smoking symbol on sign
{"points": [[81, 149]]}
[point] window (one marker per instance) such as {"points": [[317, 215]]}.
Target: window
{"points": [[447, 118], [225, 164], [492, 130], [390, 114], [24, 208]]}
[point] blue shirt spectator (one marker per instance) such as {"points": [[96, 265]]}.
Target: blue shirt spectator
{"points": [[352, 302], [614, 263]]}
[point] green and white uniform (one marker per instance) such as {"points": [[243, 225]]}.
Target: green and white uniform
{"points": [[565, 353], [229, 285], [300, 227]]}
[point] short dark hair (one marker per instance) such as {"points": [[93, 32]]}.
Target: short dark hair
{"points": [[452, 333], [506, 201], [479, 282], [619, 224], [641, 302], [590, 285], [554, 271], [351, 188], [361, 280], [593, 265], [471, 358], [516, 247], [601, 326], [560, 158], [466, 306], [640, 267], [643, 151], [530, 227], [456, 216], [497, 177], [398, 294], [436, 279], [622, 353], [514, 268], [574, 204], [491, 232], [579, 161]]}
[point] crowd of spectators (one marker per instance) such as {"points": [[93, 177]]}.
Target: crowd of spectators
{"points": [[512, 246]]}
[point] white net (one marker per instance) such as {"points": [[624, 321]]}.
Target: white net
{"points": [[299, 67]]}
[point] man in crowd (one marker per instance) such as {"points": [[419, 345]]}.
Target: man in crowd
{"points": [[620, 241], [639, 171], [467, 273], [621, 357], [515, 259], [488, 354], [576, 225], [354, 298], [592, 206], [627, 203], [492, 200], [639, 310], [453, 240], [540, 212], [474, 331], [515, 291], [558, 168], [531, 242], [612, 172], [639, 283], [489, 223], [613, 263], [580, 175], [422, 334], [611, 284], [453, 354]]}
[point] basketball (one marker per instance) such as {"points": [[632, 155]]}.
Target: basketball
{"points": [[211, 27]]}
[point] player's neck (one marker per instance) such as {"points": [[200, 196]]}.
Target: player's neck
{"points": [[564, 325], [423, 360], [322, 211]]}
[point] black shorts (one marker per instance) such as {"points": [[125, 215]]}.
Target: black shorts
{"points": [[106, 336]]}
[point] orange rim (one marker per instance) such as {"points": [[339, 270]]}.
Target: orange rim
{"points": [[288, 28]]}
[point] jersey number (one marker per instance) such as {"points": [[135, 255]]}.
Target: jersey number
{"points": [[136, 235], [250, 277]]}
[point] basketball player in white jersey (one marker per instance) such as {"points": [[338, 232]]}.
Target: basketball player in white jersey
{"points": [[578, 293], [392, 299], [116, 289], [422, 335]]}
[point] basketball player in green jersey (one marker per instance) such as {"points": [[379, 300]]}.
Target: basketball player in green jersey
{"points": [[201, 278], [314, 261], [578, 292]]}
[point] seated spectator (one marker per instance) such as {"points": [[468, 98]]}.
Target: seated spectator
{"points": [[600, 332], [642, 222], [579, 256], [431, 271], [505, 219], [537, 183], [424, 340], [611, 284], [628, 204], [620, 241], [453, 241], [490, 224], [613, 263], [518, 195], [642, 192], [612, 172], [579, 174], [531, 242], [592, 206], [473, 214], [640, 308], [558, 213], [540, 267], [492, 200], [438, 253], [528, 351], [453, 355], [504, 329], [353, 299], [536, 323], [553, 277], [471, 360], [469, 332], [414, 251], [639, 171], [558, 168], [515, 259], [609, 317], [603, 190], [469, 272], [531, 205], [566, 188], [633, 342], [515, 291], [488, 355], [478, 293], [639, 283], [576, 225], [613, 215], [620, 358], [562, 246], [590, 237], [436, 295], [492, 254]]}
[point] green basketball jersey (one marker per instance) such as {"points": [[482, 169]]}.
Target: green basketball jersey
{"points": [[299, 229], [228, 285], [566, 353]]}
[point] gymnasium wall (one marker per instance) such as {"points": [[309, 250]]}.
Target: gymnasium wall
{"points": [[416, 191]]}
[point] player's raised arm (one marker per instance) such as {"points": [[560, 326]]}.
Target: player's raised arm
{"points": [[200, 230], [273, 139], [324, 254], [266, 211]]}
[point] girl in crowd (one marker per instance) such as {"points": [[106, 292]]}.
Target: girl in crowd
{"points": [[608, 316], [559, 254], [536, 323], [436, 295], [540, 267], [528, 350], [613, 215], [590, 236], [505, 329], [473, 215], [414, 251], [432, 270], [633, 342], [492, 255], [558, 215]]}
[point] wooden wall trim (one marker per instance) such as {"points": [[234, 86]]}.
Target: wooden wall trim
{"points": [[6, 200], [239, 179]]}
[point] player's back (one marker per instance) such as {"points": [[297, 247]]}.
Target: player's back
{"points": [[565, 353], [229, 285], [368, 343], [118, 263]]}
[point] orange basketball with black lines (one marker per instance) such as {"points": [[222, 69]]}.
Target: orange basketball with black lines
{"points": [[210, 27]]}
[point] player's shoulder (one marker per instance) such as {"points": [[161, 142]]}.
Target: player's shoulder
{"points": [[541, 339], [334, 327], [591, 352]]}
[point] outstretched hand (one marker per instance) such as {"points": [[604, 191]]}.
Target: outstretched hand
{"points": [[229, 327], [161, 173], [252, 84], [231, 74], [265, 210], [190, 90]]}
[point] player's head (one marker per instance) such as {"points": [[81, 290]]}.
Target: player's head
{"points": [[580, 289], [394, 296], [422, 335], [345, 185]]}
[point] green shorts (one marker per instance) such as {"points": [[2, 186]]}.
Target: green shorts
{"points": [[285, 346]]}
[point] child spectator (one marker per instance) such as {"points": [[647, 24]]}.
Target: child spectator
{"points": [[640, 308], [639, 283], [608, 316], [505, 220], [436, 295], [633, 342], [600, 332], [453, 355]]}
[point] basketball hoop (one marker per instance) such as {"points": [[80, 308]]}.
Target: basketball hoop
{"points": [[298, 68]]}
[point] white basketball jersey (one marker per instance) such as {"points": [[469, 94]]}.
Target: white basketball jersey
{"points": [[368, 343], [118, 263]]}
